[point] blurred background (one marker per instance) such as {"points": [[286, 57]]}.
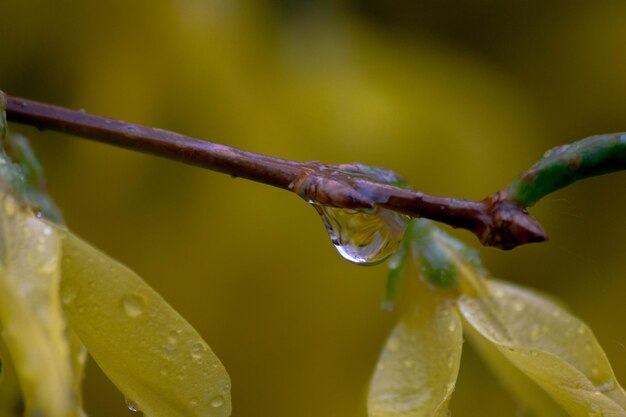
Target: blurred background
{"points": [[457, 96]]}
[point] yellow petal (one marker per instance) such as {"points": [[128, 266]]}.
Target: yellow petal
{"points": [[30, 311], [555, 349], [418, 367], [158, 361]]}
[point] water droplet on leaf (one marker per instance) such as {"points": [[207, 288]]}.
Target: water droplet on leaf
{"points": [[133, 305], [132, 406], [68, 294], [217, 401], [365, 237], [607, 386]]}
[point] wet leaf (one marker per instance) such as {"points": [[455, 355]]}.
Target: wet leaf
{"points": [[30, 311], [78, 357], [418, 367], [555, 349], [528, 394], [158, 361]]}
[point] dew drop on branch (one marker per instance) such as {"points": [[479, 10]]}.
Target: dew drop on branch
{"points": [[365, 237]]}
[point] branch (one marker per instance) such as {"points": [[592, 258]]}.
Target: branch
{"points": [[497, 220]]}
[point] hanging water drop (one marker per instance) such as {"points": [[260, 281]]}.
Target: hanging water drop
{"points": [[131, 405], [365, 237]]}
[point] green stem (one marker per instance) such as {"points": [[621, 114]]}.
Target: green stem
{"points": [[563, 165]]}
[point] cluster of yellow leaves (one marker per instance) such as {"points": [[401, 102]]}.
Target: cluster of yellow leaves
{"points": [[56, 293], [548, 358]]}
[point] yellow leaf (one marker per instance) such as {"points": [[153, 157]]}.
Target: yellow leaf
{"points": [[31, 314], [158, 361], [78, 357], [555, 349], [525, 390], [418, 367]]}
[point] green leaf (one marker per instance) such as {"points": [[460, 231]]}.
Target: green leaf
{"points": [[418, 367], [31, 314], [555, 349], [149, 351]]}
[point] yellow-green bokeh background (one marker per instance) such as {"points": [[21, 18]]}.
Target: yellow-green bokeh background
{"points": [[458, 96]]}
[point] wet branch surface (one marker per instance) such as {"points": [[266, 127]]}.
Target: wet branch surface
{"points": [[497, 220]]}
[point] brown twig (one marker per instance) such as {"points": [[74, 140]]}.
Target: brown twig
{"points": [[495, 220]]}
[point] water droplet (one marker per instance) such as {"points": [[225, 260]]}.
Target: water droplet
{"points": [[450, 361], [133, 305], [68, 294], [581, 329], [450, 387], [380, 367], [408, 363], [193, 402], [595, 371], [607, 386], [169, 350], [393, 345], [164, 371], [172, 338], [47, 231], [364, 237], [217, 401], [132, 406], [9, 206], [452, 327], [534, 353]]}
